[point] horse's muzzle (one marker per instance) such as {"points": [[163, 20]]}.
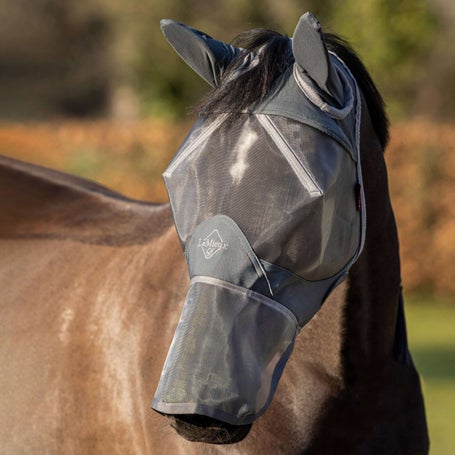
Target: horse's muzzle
{"points": [[197, 428]]}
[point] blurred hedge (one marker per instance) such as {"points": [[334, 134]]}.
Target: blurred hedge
{"points": [[131, 157], [421, 163]]}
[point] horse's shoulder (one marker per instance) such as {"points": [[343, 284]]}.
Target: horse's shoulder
{"points": [[37, 201]]}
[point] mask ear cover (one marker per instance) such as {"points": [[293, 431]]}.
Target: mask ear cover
{"points": [[208, 57], [312, 58]]}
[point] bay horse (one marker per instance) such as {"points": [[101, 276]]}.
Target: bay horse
{"points": [[91, 288]]}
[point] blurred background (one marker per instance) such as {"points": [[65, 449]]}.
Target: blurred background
{"points": [[92, 88]]}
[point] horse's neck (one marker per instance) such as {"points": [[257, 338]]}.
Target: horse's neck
{"points": [[371, 309], [374, 284]]}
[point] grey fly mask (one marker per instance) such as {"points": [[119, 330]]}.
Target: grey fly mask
{"points": [[270, 212]]}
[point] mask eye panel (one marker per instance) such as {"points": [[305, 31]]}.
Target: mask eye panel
{"points": [[289, 187]]}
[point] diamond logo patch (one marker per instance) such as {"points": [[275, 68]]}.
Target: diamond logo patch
{"points": [[212, 244]]}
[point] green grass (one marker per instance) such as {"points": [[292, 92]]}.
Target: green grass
{"points": [[431, 331]]}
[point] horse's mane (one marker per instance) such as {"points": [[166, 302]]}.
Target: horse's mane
{"points": [[235, 94]]}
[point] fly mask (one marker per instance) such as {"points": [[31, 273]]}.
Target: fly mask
{"points": [[269, 208]]}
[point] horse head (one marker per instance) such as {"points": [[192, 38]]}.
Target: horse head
{"points": [[268, 202]]}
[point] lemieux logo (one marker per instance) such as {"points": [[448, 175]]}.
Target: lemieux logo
{"points": [[212, 244]]}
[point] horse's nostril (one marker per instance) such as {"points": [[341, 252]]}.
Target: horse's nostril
{"points": [[194, 427]]}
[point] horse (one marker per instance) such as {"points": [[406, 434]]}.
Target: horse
{"points": [[92, 286]]}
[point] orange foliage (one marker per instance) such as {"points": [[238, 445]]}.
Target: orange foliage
{"points": [[127, 157], [130, 158]]}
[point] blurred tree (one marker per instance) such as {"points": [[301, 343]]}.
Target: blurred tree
{"points": [[393, 38], [436, 97], [54, 58], [100, 55]]}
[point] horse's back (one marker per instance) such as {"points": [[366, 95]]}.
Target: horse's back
{"points": [[91, 290], [40, 202]]}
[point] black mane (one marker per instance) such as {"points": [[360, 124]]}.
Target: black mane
{"points": [[234, 95]]}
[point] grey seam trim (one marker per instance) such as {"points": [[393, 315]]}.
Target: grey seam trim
{"points": [[316, 99], [248, 293]]}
